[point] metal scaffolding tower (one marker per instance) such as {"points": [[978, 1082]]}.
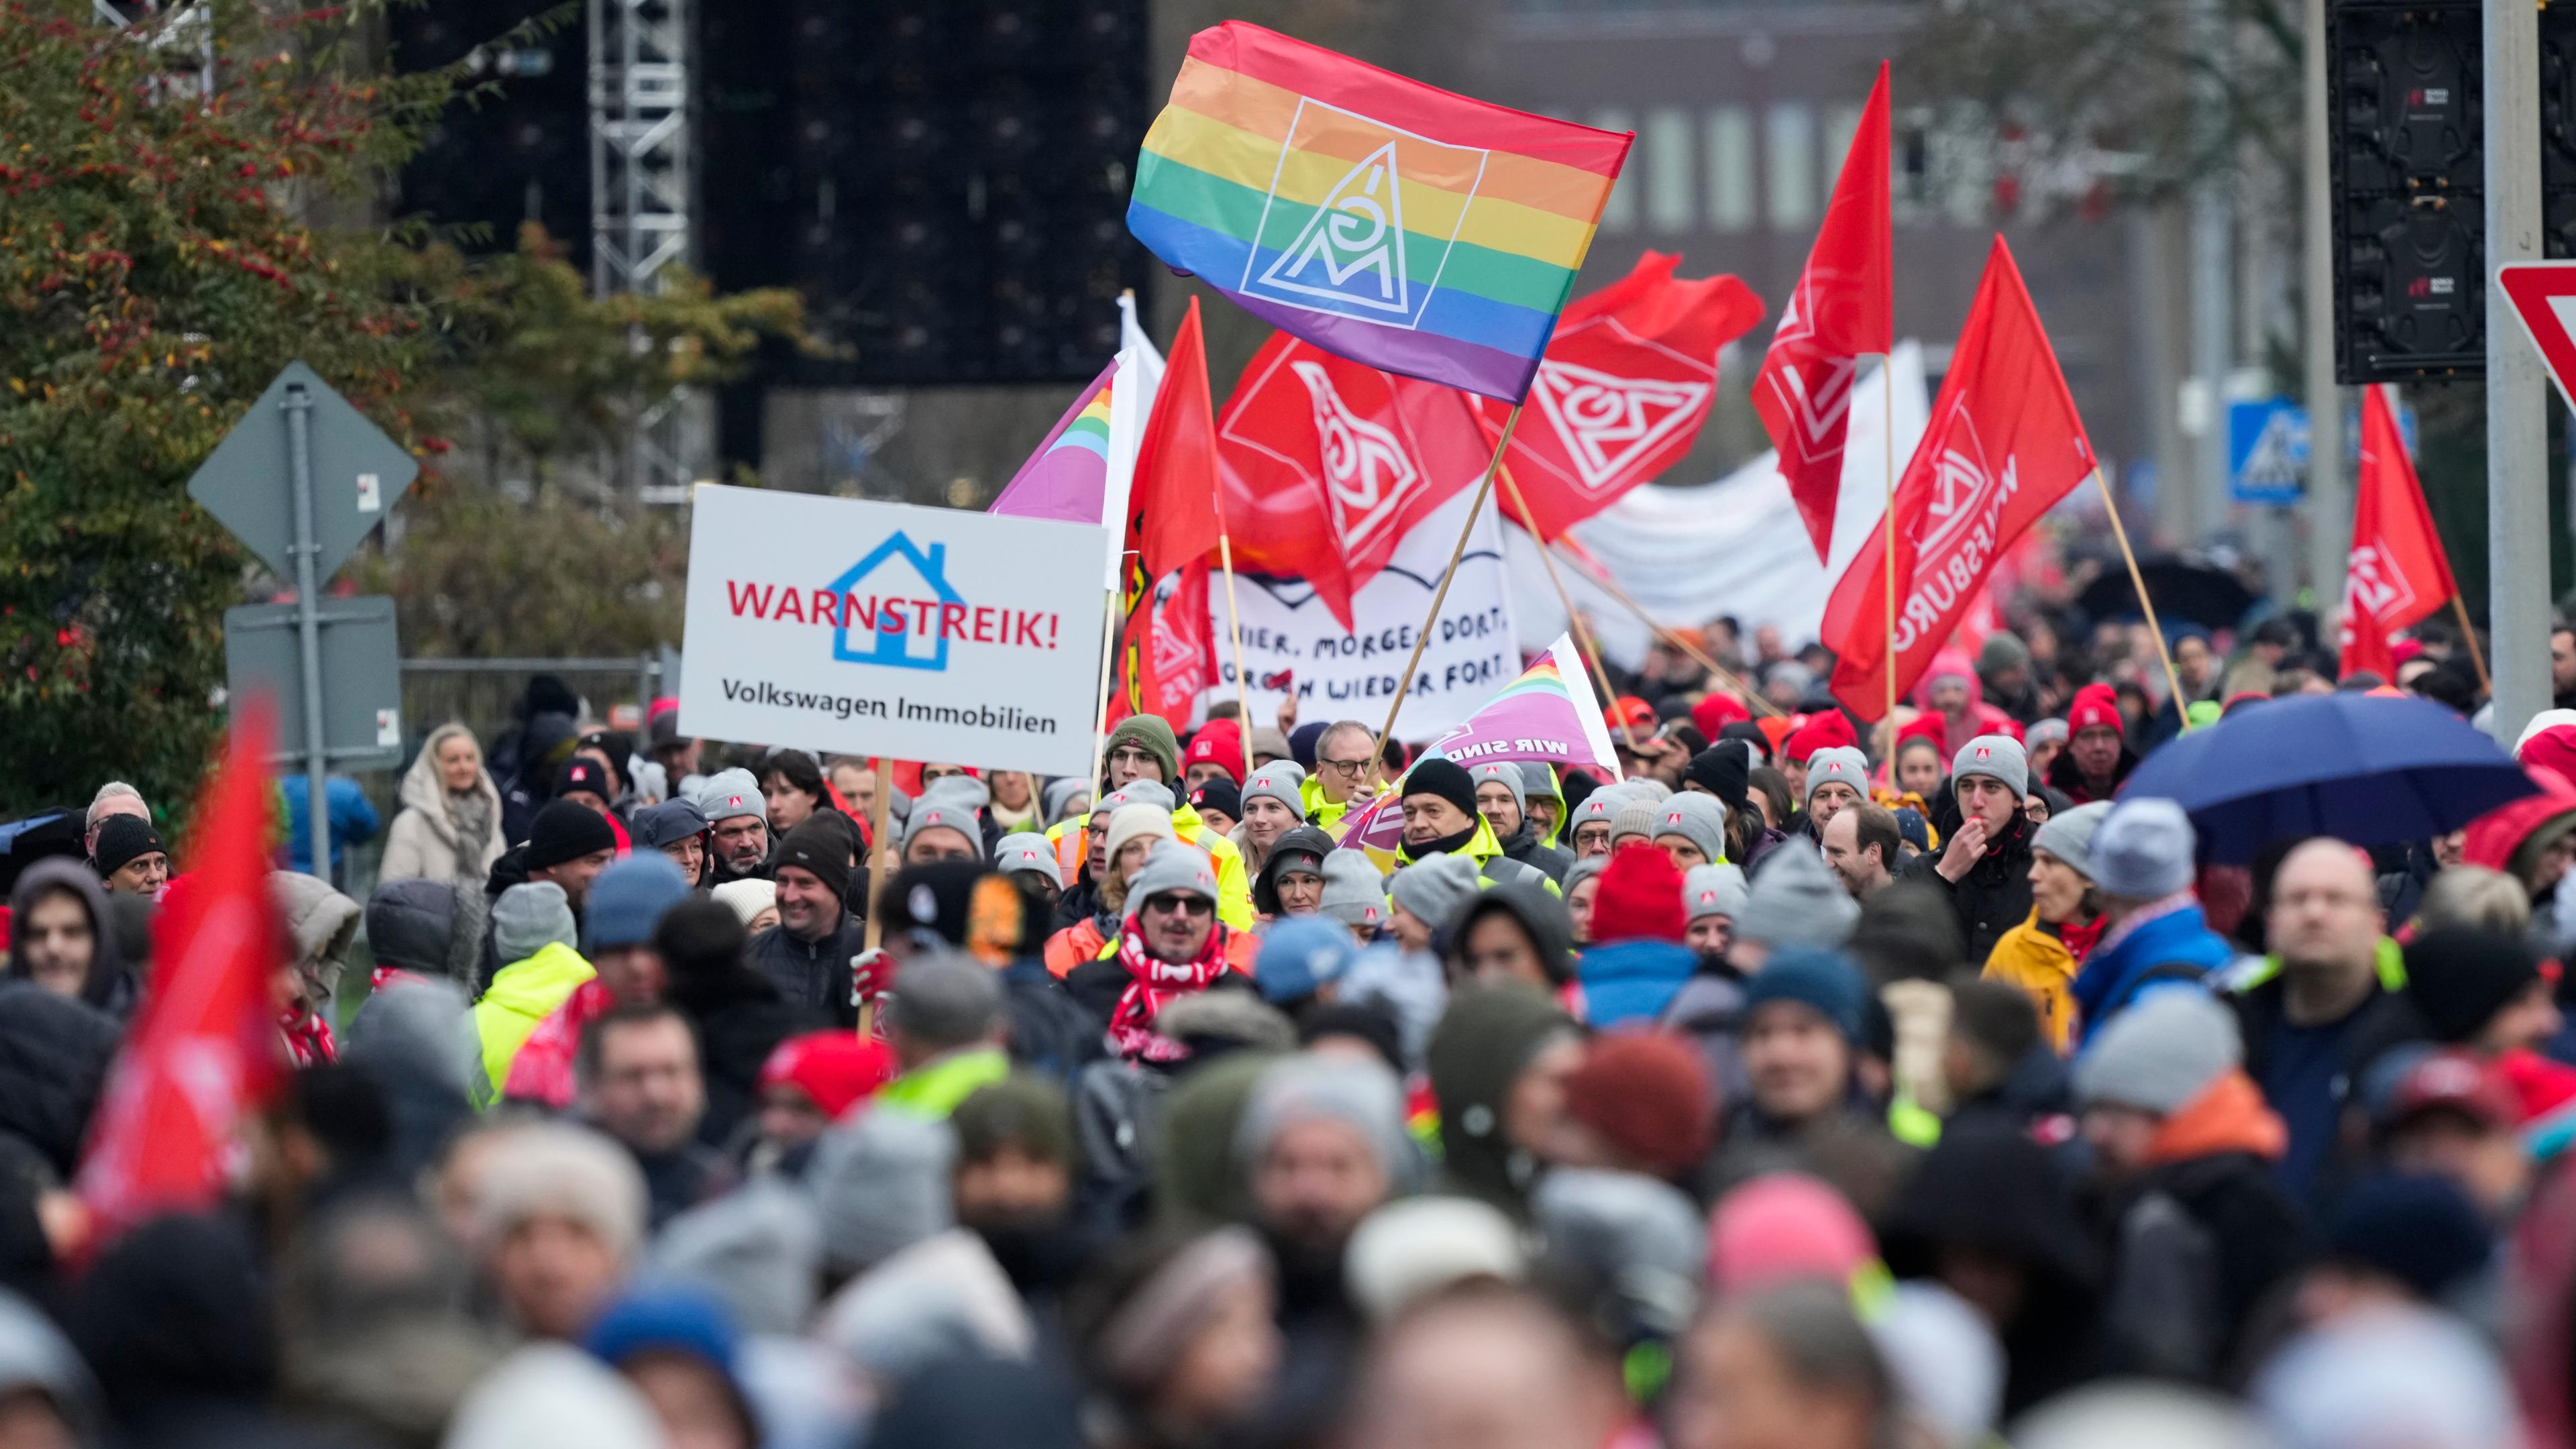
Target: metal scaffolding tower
{"points": [[641, 198]]}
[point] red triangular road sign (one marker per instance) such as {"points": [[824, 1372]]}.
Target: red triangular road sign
{"points": [[2544, 297]]}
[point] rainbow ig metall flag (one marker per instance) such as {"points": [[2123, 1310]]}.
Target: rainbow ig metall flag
{"points": [[1550, 713], [1392, 222]]}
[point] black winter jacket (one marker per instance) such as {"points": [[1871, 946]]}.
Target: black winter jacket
{"points": [[1993, 897]]}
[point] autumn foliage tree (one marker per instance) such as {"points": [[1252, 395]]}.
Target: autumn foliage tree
{"points": [[165, 248], [155, 272]]}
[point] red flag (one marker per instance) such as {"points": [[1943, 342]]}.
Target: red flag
{"points": [[2397, 575], [1622, 392], [1328, 464], [1172, 508], [1166, 653], [1843, 309], [204, 1050], [2004, 445]]}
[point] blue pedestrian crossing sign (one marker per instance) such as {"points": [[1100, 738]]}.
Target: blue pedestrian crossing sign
{"points": [[2267, 451]]}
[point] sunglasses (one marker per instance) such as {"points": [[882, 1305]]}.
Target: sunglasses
{"points": [[1172, 904]]}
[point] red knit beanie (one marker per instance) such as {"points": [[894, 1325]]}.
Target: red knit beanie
{"points": [[1647, 1093], [2094, 704], [1831, 729], [1716, 711], [1640, 898]]}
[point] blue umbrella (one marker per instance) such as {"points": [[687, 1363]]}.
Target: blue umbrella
{"points": [[2368, 769]]}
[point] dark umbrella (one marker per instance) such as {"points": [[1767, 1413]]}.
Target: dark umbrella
{"points": [[2364, 768], [2182, 588]]}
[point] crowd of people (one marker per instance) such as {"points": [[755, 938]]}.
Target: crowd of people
{"points": [[1801, 1087]]}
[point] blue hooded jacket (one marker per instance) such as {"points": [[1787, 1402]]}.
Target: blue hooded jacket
{"points": [[1629, 983], [2177, 949]]}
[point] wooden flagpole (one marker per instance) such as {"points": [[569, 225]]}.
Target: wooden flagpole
{"points": [[1109, 622], [1234, 626], [2139, 582], [1439, 596], [880, 819], [1573, 621], [1610, 586], [2469, 636]]}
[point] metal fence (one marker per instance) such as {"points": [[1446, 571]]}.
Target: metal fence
{"points": [[484, 694]]}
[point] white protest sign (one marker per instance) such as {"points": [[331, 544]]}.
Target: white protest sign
{"points": [[1288, 634], [884, 629]]}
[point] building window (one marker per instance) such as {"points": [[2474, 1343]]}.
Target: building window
{"points": [[1789, 165], [1840, 124], [1620, 214], [1730, 169], [1667, 143]]}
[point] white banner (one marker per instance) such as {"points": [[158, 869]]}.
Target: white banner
{"points": [[1351, 674], [1734, 546], [881, 628]]}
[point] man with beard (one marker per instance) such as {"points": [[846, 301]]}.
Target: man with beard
{"points": [[1502, 798], [737, 826], [1322, 1145], [1984, 864], [1013, 1182]]}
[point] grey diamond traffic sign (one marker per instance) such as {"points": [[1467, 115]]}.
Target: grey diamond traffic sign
{"points": [[358, 472]]}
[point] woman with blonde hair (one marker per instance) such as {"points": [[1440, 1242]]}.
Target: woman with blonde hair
{"points": [[450, 823]]}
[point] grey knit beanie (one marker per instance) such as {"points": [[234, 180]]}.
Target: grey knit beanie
{"points": [[2161, 1053], [1634, 817], [1538, 777], [1354, 892], [728, 793], [530, 917], [1280, 780], [1583, 869], [1363, 1095], [1140, 792], [1027, 851], [939, 807], [1509, 776], [2069, 836], [1795, 901], [1059, 796], [1435, 890], [1697, 818], [2143, 849], [1997, 757], [1837, 765], [1713, 890]]}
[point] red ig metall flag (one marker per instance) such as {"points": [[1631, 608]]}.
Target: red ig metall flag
{"points": [[2397, 574], [204, 1051], [1621, 394], [1329, 463], [1843, 310], [2004, 446]]}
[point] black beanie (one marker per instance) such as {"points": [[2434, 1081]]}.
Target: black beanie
{"points": [[564, 831], [1219, 795], [584, 773], [821, 847], [2459, 977], [122, 839], [1445, 778], [1722, 770]]}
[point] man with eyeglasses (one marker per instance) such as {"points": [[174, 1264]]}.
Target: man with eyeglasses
{"points": [[1341, 773], [1171, 946]]}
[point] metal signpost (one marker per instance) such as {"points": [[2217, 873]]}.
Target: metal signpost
{"points": [[301, 480]]}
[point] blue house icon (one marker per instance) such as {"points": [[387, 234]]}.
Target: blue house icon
{"points": [[894, 649]]}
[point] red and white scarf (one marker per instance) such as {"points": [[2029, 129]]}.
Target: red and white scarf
{"points": [[1151, 984], [308, 1038]]}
